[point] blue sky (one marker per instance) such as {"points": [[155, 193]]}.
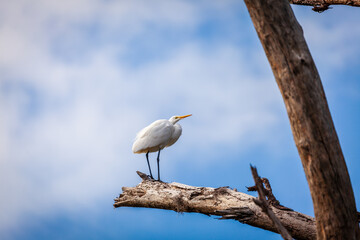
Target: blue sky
{"points": [[80, 78]]}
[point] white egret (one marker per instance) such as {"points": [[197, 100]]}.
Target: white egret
{"points": [[157, 136]]}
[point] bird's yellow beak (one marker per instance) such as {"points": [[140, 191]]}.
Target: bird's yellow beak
{"points": [[185, 116]]}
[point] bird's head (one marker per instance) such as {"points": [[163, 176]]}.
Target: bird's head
{"points": [[175, 119]]}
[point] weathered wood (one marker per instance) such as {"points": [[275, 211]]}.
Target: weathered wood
{"points": [[311, 123], [263, 203], [269, 194], [354, 3], [222, 201]]}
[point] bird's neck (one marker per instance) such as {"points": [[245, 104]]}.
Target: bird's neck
{"points": [[173, 121]]}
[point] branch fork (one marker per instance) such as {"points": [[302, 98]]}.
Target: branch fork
{"points": [[224, 202]]}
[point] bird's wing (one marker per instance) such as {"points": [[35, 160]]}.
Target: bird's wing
{"points": [[175, 136], [153, 137]]}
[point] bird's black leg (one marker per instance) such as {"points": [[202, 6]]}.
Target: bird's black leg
{"points": [[158, 161], [147, 158]]}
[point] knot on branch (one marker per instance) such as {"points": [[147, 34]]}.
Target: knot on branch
{"points": [[321, 7]]}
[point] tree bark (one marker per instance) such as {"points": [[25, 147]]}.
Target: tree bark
{"points": [[223, 201], [311, 123]]}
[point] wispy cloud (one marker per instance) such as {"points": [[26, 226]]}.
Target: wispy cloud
{"points": [[75, 89]]}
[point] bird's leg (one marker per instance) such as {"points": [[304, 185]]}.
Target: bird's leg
{"points": [[158, 161], [147, 158]]}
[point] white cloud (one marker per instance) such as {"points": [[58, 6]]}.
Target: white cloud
{"points": [[331, 36], [68, 125], [68, 118]]}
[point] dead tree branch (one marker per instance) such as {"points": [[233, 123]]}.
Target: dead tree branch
{"points": [[263, 203], [223, 201], [311, 123], [269, 194], [323, 5], [354, 3]]}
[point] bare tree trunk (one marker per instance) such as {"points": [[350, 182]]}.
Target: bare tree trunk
{"points": [[223, 201], [311, 123]]}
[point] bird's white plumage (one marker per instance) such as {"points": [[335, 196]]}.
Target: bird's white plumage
{"points": [[158, 135], [175, 136]]}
